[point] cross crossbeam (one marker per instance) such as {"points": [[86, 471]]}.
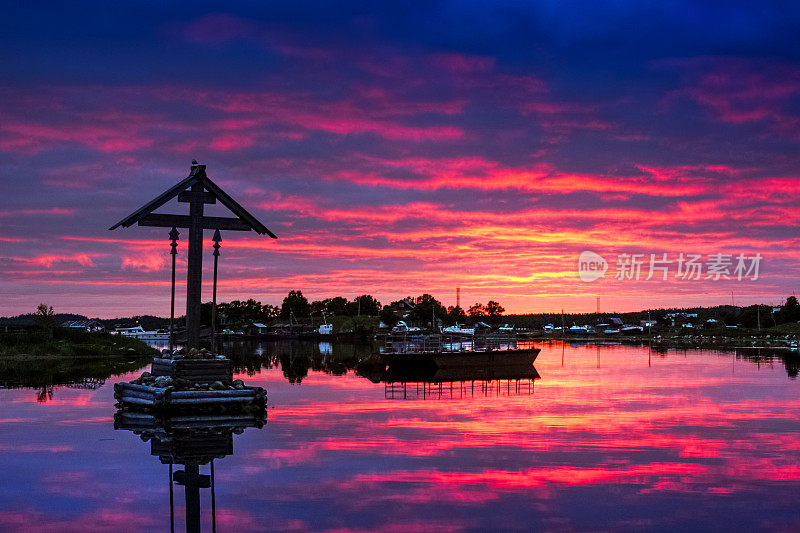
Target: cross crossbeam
{"points": [[184, 221]]}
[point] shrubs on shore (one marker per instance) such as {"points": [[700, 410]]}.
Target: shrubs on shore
{"points": [[62, 342]]}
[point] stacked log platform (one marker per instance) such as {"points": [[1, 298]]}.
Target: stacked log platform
{"points": [[194, 370], [156, 398]]}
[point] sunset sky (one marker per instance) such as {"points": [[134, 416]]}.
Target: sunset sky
{"points": [[402, 150]]}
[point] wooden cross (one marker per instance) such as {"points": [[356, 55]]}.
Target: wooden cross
{"points": [[196, 190]]}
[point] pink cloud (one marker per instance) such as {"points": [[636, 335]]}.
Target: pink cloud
{"points": [[463, 64], [386, 118], [145, 261], [58, 211], [50, 259], [740, 91], [37, 136], [231, 142], [476, 173]]}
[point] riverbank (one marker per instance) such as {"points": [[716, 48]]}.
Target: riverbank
{"points": [[33, 358], [779, 339], [61, 342]]}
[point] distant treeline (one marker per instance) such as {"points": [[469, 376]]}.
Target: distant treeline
{"points": [[295, 307], [424, 309], [751, 316]]}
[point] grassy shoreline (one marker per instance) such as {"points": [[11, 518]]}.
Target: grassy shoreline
{"points": [[37, 344], [36, 357]]}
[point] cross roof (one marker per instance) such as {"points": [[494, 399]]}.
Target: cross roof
{"points": [[197, 175]]}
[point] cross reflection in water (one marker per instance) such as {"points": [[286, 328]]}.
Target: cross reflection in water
{"points": [[191, 440]]}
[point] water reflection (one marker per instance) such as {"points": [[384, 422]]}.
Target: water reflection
{"points": [[675, 440], [45, 375], [191, 440], [452, 390], [297, 358], [790, 359]]}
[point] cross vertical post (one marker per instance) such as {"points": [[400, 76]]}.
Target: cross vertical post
{"points": [[194, 279], [192, 494]]}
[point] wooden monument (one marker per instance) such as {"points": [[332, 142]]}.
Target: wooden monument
{"points": [[196, 190]]}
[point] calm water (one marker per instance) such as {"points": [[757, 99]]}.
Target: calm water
{"points": [[608, 438]]}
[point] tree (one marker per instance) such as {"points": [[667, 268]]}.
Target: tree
{"points": [[295, 304], [270, 311], [755, 316], [494, 310], [318, 307], [426, 307], [388, 316], [364, 305], [455, 315], [239, 313], [337, 306], [45, 318], [790, 312], [477, 310]]}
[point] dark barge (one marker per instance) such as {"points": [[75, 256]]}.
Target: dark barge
{"points": [[443, 352]]}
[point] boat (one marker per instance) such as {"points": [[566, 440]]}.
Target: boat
{"points": [[139, 332], [402, 327], [325, 328], [459, 330], [579, 330], [632, 330]]}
